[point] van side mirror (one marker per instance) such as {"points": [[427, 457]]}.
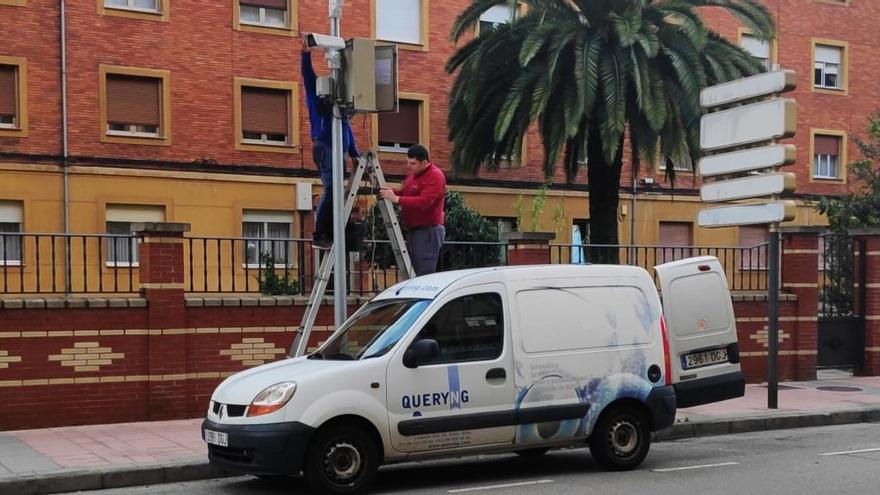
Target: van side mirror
{"points": [[421, 352]]}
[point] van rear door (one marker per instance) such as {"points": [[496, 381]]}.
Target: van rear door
{"points": [[701, 328]]}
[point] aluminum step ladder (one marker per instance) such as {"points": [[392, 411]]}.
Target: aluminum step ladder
{"points": [[369, 165]]}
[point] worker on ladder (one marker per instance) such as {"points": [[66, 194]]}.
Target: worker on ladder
{"points": [[321, 122], [422, 200]]}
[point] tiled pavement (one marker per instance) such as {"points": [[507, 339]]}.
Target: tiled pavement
{"points": [[72, 458]]}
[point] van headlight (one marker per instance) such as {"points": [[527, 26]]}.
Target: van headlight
{"points": [[271, 399]]}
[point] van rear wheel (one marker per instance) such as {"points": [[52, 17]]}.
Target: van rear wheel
{"points": [[621, 439], [342, 459]]}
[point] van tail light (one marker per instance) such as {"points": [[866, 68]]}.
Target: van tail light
{"points": [[666, 356]]}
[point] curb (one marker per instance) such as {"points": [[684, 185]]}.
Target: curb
{"points": [[84, 480], [695, 429]]}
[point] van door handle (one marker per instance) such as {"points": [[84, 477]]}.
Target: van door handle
{"points": [[496, 374]]}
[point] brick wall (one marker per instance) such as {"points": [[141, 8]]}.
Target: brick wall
{"points": [[161, 356], [138, 372]]}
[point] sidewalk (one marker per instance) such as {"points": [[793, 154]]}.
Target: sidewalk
{"points": [[66, 459]]}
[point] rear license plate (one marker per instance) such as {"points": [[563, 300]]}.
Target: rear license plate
{"points": [[217, 438], [704, 358]]}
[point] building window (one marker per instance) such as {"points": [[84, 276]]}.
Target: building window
{"points": [[151, 10], [135, 106], [123, 251], [267, 233], [400, 21], [675, 240], [826, 157], [269, 13], [398, 131], [828, 67], [496, 16], [142, 5], [265, 115], [760, 49], [13, 97], [753, 241], [10, 223], [686, 165]]}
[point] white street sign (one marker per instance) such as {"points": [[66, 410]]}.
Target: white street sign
{"points": [[775, 155], [764, 84], [762, 121], [748, 187], [731, 216]]}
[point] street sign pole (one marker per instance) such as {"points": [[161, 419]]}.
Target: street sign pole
{"points": [[739, 139], [773, 317], [334, 57]]}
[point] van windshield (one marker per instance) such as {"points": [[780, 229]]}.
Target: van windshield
{"points": [[373, 330]]}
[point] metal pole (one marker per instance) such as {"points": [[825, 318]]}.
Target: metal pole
{"points": [[632, 218], [773, 323], [65, 181], [339, 289]]}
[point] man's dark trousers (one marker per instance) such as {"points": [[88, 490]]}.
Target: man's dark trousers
{"points": [[424, 245], [322, 153]]}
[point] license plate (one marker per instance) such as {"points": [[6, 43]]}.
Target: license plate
{"points": [[217, 438], [705, 358]]}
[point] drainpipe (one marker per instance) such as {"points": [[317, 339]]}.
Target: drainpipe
{"points": [[64, 148]]}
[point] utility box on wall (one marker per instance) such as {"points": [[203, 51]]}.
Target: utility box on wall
{"points": [[369, 76]]}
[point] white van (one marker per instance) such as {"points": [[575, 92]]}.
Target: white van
{"points": [[521, 359]]}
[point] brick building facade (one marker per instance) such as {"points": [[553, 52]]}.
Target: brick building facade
{"points": [[207, 55]]}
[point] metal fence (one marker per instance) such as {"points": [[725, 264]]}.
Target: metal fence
{"points": [[745, 267], [104, 263], [841, 268], [68, 263], [288, 266]]}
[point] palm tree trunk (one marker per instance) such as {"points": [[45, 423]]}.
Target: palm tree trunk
{"points": [[604, 182]]}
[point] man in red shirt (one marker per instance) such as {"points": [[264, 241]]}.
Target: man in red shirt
{"points": [[421, 199]]}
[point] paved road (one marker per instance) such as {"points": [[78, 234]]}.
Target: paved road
{"points": [[802, 461]]}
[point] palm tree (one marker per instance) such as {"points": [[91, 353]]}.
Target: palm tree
{"points": [[586, 71]]}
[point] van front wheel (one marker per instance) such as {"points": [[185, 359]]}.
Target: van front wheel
{"points": [[342, 459], [621, 439]]}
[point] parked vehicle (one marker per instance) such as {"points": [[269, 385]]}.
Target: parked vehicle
{"points": [[521, 359]]}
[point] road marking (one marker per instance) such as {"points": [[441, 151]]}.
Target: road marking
{"points": [[496, 487], [685, 468], [852, 452]]}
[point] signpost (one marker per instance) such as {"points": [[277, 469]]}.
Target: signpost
{"points": [[738, 137]]}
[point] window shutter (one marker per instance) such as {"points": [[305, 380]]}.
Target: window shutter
{"points": [[758, 48], [7, 89], [271, 4], [675, 234], [403, 126], [497, 14], [264, 110], [828, 54], [399, 20], [133, 100], [135, 213], [752, 236], [826, 145], [10, 212]]}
